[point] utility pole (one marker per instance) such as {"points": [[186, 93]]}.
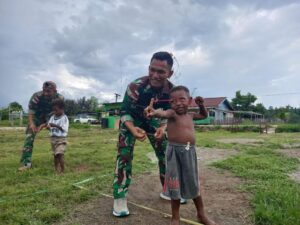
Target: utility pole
{"points": [[193, 91], [117, 96]]}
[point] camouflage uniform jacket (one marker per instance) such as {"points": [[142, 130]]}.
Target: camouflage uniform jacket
{"points": [[138, 96], [40, 106]]}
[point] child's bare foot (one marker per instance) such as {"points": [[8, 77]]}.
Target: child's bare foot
{"points": [[174, 222], [205, 220]]}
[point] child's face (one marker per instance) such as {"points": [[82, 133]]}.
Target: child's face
{"points": [[180, 101], [57, 111]]}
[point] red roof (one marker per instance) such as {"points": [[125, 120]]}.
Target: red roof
{"points": [[209, 102]]}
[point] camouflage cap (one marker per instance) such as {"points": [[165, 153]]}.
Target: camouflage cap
{"points": [[49, 85]]}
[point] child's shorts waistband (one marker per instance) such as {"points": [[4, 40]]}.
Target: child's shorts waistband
{"points": [[180, 144]]}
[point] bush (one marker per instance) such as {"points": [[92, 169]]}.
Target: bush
{"points": [[288, 128]]}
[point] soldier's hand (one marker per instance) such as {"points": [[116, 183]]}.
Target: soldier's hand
{"points": [[199, 100], [39, 128], [160, 132], [149, 111], [139, 134], [33, 128]]}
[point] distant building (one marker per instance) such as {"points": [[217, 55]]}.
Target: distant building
{"points": [[219, 110]]}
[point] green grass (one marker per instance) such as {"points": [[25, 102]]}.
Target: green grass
{"points": [[39, 196], [13, 123], [276, 198], [288, 128]]}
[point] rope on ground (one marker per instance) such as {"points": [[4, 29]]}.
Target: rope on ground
{"points": [[141, 206]]}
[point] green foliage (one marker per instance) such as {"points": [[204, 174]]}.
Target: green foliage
{"points": [[293, 117], [82, 105], [286, 114], [276, 199], [39, 196], [243, 102], [15, 106], [4, 114], [289, 128]]}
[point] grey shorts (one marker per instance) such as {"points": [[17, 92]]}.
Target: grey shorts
{"points": [[181, 179]]}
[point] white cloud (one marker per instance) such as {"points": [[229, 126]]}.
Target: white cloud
{"points": [[96, 47]]}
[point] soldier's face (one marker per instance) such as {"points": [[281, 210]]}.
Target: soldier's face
{"points": [[48, 92], [159, 71]]}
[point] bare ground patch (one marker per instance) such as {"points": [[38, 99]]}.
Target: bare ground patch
{"points": [[240, 141], [223, 200], [12, 128], [81, 168]]}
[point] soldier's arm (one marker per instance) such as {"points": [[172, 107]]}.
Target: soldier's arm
{"points": [[127, 109], [128, 104], [41, 127], [32, 110]]}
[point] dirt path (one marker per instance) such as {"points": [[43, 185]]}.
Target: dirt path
{"points": [[12, 128], [223, 201]]}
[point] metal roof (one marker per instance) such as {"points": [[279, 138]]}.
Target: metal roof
{"points": [[212, 102]]}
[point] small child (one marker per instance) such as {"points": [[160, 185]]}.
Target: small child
{"points": [[58, 125], [181, 179]]}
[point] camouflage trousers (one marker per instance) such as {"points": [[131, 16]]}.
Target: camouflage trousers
{"points": [[123, 170], [28, 144]]}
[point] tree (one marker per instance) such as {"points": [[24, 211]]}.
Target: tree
{"points": [[293, 118], [71, 107], [92, 104], [81, 105], [243, 102], [259, 108], [15, 106]]}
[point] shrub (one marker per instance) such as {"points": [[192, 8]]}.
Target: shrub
{"points": [[288, 128]]}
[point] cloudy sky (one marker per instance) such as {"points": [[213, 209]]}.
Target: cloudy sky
{"points": [[94, 48]]}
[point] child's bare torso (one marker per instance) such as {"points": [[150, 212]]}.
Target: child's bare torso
{"points": [[181, 129]]}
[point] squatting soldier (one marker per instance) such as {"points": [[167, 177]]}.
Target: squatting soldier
{"points": [[39, 112], [134, 125]]}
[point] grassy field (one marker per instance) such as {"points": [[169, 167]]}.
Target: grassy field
{"points": [[39, 196]]}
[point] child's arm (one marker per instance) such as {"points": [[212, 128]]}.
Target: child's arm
{"points": [[151, 112], [54, 125], [202, 111]]}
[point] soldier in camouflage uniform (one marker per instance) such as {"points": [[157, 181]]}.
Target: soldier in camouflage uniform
{"points": [[39, 112], [134, 125]]}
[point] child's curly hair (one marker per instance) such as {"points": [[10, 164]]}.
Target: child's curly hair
{"points": [[59, 103]]}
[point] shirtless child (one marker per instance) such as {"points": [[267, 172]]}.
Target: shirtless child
{"points": [[181, 180]]}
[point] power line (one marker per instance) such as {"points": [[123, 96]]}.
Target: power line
{"points": [[286, 93], [273, 94]]}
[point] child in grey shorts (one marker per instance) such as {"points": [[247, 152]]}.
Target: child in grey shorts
{"points": [[181, 179]]}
